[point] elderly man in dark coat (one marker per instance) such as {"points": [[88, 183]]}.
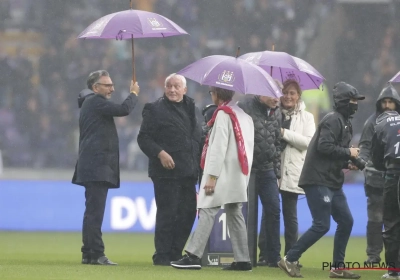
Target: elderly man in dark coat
{"points": [[170, 136], [97, 168]]}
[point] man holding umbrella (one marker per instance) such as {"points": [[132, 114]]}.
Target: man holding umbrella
{"points": [[266, 168], [97, 168]]}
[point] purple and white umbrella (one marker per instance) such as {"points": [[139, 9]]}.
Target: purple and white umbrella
{"points": [[395, 79], [233, 74], [132, 24], [283, 66]]}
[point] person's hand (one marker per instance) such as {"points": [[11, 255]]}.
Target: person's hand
{"points": [[210, 185], [354, 152], [134, 88], [351, 166], [166, 160]]}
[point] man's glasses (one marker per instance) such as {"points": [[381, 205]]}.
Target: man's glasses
{"points": [[106, 85]]}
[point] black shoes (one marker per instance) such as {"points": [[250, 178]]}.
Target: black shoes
{"points": [[187, 262], [102, 261], [162, 262], [239, 266], [86, 260], [263, 262]]}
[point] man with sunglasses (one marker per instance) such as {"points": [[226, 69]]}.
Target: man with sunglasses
{"points": [[97, 168]]}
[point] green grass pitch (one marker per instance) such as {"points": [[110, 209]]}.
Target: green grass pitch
{"points": [[54, 255]]}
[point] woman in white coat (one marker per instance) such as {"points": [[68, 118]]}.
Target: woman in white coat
{"points": [[226, 159], [298, 128]]}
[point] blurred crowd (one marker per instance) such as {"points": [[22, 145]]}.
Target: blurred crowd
{"points": [[38, 92]]}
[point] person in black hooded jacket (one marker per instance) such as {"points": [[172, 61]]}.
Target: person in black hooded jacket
{"points": [[385, 156], [322, 180], [388, 100]]}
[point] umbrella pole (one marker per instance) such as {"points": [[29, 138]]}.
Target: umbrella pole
{"points": [[237, 52], [133, 61], [131, 4]]}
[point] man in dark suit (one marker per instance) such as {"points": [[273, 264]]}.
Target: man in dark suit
{"points": [[170, 137], [97, 168]]}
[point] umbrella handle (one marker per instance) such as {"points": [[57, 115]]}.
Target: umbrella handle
{"points": [[237, 52], [130, 3], [133, 61]]}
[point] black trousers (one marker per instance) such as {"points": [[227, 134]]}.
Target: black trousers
{"points": [[176, 212], [391, 219], [289, 211], [96, 196], [375, 221]]}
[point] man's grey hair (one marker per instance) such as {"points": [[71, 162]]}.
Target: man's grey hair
{"points": [[183, 79], [94, 77]]}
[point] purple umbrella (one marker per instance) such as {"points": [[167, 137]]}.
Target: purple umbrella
{"points": [[395, 79], [231, 73], [131, 24], [283, 66]]}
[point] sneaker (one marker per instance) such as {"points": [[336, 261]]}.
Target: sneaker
{"points": [[393, 275], [290, 268], [187, 262], [262, 262], [103, 261], [343, 274], [239, 266]]}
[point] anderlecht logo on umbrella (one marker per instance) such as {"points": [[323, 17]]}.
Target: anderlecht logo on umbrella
{"points": [[154, 22], [226, 77]]}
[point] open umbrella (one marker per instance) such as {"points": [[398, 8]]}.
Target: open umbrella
{"points": [[283, 66], [395, 79], [131, 24], [231, 73]]}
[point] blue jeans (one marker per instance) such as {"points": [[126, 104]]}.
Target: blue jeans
{"points": [[324, 202], [269, 239]]}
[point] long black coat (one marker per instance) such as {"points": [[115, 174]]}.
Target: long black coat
{"points": [[328, 153], [98, 140], [163, 129]]}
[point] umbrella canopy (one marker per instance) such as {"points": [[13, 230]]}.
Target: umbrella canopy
{"points": [[233, 74], [131, 24], [395, 79], [125, 24], [283, 66]]}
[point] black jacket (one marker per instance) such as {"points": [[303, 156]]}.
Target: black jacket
{"points": [[328, 153], [386, 143], [163, 129], [267, 135], [98, 140], [374, 177]]}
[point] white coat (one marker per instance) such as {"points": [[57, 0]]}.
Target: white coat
{"points": [[222, 160], [298, 137]]}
